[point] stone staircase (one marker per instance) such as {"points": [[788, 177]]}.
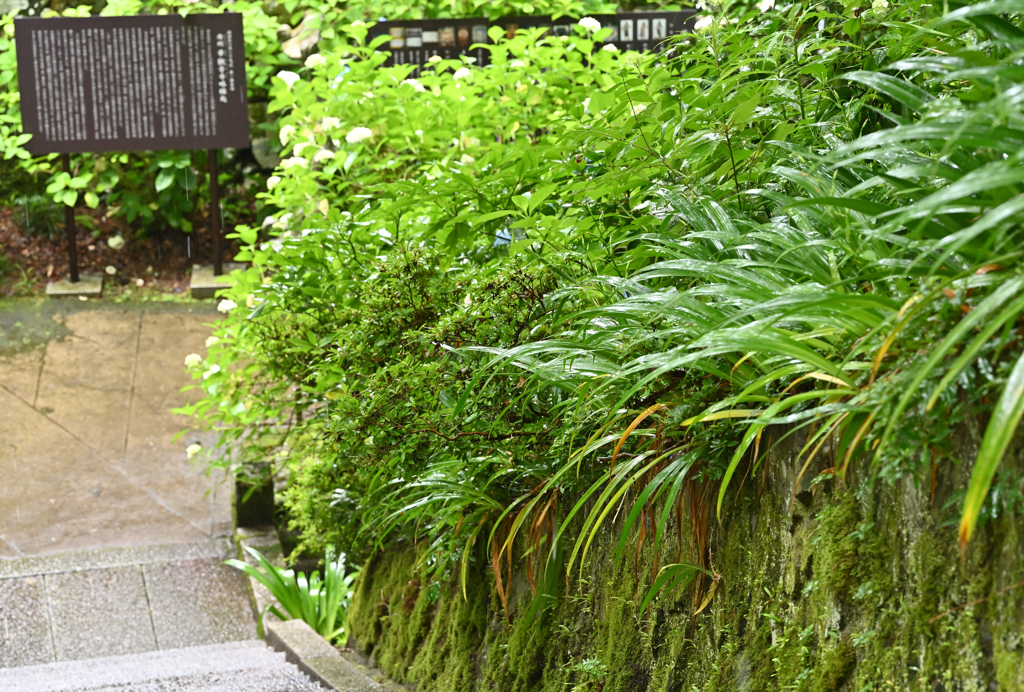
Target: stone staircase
{"points": [[247, 666], [168, 618]]}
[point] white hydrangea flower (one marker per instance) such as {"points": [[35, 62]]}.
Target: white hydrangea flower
{"points": [[330, 123], [415, 84], [297, 149], [462, 73], [434, 59], [116, 243], [358, 134], [193, 450], [703, 22], [192, 360], [273, 182], [226, 305], [590, 24], [212, 341], [286, 133], [467, 160], [766, 5], [323, 155], [517, 64], [289, 78], [295, 161], [214, 369], [880, 5], [315, 60], [610, 47]]}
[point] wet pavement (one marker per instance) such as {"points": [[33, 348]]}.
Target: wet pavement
{"points": [[87, 451], [111, 540]]}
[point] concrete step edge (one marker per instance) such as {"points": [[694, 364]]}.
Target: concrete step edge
{"points": [[105, 558]]}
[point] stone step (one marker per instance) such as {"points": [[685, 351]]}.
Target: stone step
{"points": [[247, 666]]}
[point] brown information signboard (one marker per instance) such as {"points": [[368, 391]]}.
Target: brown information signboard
{"points": [[149, 82]]}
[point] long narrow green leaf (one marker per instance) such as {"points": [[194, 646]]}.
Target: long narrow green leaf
{"points": [[1000, 431]]}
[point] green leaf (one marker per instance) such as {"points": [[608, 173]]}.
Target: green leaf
{"points": [[743, 111], [899, 90], [1000, 431], [671, 577], [164, 179]]}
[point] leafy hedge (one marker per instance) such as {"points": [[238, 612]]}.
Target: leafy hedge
{"points": [[509, 300], [159, 189]]}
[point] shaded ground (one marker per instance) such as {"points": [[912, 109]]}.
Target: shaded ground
{"points": [[152, 266]]}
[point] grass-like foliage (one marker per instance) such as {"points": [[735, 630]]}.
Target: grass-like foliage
{"points": [[579, 286], [320, 601]]}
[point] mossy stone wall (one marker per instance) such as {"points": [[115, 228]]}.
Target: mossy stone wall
{"points": [[848, 588]]}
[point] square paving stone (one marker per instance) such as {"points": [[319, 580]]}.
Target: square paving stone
{"points": [[100, 612], [199, 602], [24, 629]]}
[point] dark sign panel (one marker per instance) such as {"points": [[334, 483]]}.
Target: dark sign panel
{"points": [[415, 42], [132, 83]]}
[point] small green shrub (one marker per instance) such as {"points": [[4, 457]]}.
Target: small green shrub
{"points": [[321, 603]]}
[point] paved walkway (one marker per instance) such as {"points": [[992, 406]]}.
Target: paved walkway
{"points": [[111, 541], [86, 451]]}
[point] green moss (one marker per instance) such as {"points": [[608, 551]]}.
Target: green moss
{"points": [[847, 592]]}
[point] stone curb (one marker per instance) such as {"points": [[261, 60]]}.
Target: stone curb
{"points": [[300, 643], [314, 656]]}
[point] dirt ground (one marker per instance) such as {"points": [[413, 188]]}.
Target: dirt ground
{"points": [[142, 267]]}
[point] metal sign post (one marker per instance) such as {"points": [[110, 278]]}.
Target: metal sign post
{"points": [[150, 82], [218, 263]]}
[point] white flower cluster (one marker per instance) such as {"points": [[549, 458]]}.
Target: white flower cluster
{"points": [[289, 78], [703, 22], [330, 122], [462, 73], [294, 162], [610, 47], [358, 134], [226, 305], [323, 155], [315, 60], [285, 134], [517, 64], [434, 59], [192, 360], [273, 181], [590, 24], [415, 84]]}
